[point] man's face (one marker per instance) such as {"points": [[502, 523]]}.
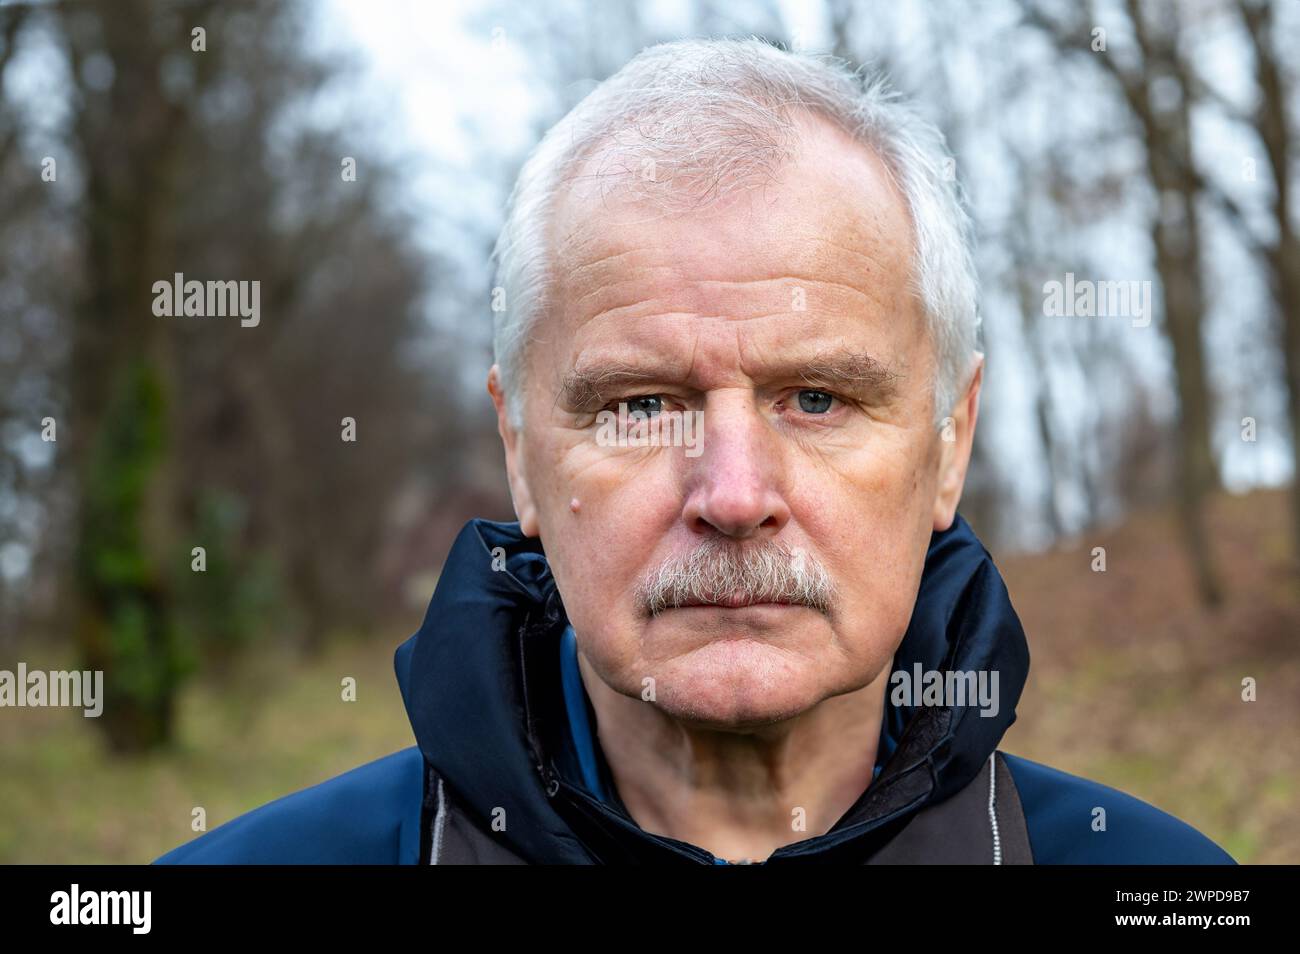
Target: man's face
{"points": [[784, 315]]}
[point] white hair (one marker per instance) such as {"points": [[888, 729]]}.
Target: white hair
{"points": [[712, 115]]}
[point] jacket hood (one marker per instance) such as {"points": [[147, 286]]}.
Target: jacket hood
{"points": [[481, 684]]}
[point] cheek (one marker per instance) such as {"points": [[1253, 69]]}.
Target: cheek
{"points": [[598, 553], [870, 500], [871, 521]]}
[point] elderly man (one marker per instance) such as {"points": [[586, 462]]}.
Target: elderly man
{"points": [[738, 618]]}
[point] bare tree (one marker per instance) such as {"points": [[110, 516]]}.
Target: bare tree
{"points": [[1157, 87], [186, 143], [1273, 123]]}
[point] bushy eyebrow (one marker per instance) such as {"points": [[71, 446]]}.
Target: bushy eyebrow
{"points": [[852, 372], [589, 387]]}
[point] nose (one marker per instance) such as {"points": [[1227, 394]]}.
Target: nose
{"points": [[736, 486]]}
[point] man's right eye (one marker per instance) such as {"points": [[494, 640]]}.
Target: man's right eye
{"points": [[649, 404]]}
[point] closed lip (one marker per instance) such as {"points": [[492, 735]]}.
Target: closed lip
{"points": [[737, 601]]}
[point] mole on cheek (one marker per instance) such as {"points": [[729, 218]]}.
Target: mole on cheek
{"points": [[574, 504]]}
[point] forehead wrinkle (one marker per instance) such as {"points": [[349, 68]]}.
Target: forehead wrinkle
{"points": [[662, 304], [788, 281], [789, 264], [813, 240], [601, 283], [601, 260]]}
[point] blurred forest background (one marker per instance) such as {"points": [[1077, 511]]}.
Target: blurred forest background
{"points": [[1134, 141]]}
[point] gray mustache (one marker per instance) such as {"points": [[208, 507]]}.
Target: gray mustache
{"points": [[718, 568]]}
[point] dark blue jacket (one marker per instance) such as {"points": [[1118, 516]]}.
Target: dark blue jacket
{"points": [[484, 682]]}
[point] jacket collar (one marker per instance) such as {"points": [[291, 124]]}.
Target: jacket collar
{"points": [[481, 684]]}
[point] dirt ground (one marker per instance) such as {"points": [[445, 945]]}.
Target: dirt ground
{"points": [[1134, 684]]}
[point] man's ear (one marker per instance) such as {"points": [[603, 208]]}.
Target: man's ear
{"points": [[516, 472], [956, 437]]}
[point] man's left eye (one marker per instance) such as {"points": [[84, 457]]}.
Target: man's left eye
{"points": [[815, 402]]}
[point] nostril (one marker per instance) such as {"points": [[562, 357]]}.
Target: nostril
{"points": [[733, 524]]}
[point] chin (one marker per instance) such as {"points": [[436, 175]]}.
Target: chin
{"points": [[738, 682]]}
